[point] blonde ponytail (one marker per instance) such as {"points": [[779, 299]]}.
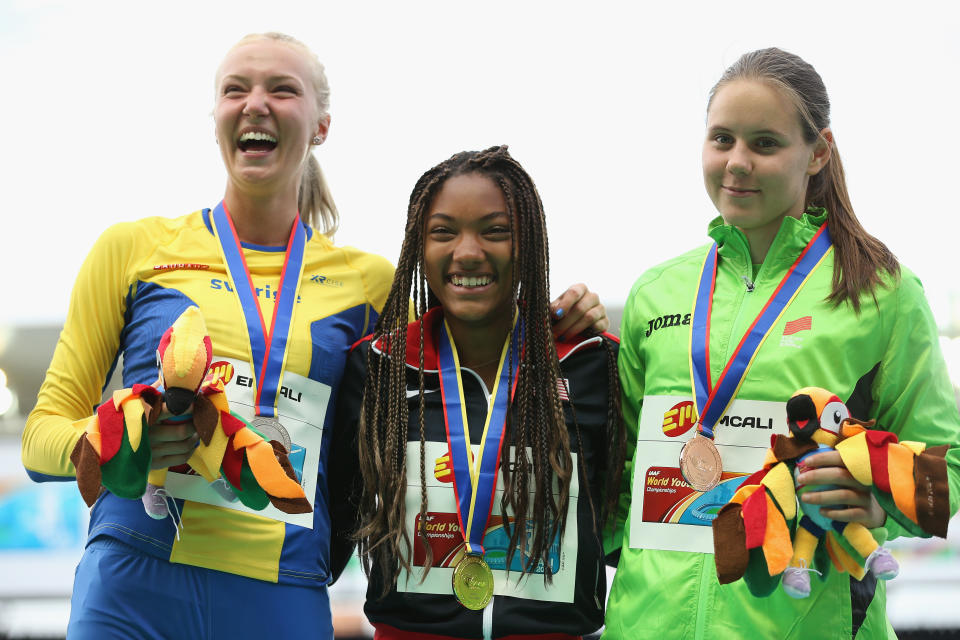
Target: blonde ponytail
{"points": [[315, 201]]}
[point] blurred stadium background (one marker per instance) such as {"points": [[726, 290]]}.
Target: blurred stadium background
{"points": [[43, 526]]}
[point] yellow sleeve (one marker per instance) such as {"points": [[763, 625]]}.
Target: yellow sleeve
{"points": [[85, 352], [377, 274]]}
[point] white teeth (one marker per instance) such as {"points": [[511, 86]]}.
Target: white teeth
{"points": [[257, 135], [471, 281]]}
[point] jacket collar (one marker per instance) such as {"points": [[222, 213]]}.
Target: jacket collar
{"points": [[791, 238], [432, 320]]}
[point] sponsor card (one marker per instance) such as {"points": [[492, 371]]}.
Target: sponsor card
{"points": [[302, 405], [446, 539], [666, 513]]}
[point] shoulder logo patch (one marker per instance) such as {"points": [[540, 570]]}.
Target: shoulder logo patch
{"points": [[324, 280]]}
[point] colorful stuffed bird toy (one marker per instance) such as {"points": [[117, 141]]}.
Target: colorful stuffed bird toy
{"points": [[114, 450], [757, 536]]}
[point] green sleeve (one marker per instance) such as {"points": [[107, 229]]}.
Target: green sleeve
{"points": [[913, 396], [630, 366]]}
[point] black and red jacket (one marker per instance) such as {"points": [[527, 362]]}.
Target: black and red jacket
{"points": [[583, 365]]}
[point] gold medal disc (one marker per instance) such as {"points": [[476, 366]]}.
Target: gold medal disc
{"points": [[473, 582], [700, 463]]}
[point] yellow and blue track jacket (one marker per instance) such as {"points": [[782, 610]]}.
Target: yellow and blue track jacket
{"points": [[135, 282], [885, 363]]}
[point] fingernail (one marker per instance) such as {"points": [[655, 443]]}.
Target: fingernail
{"points": [[558, 313]]}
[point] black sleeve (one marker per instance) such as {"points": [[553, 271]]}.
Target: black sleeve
{"points": [[589, 374], [344, 481]]}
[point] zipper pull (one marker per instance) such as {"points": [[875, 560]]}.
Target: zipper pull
{"points": [[747, 282]]}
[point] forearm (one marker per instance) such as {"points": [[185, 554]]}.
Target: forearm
{"points": [[47, 442]]}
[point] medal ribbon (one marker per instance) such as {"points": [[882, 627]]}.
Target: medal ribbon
{"points": [[474, 484], [268, 348], [713, 401]]}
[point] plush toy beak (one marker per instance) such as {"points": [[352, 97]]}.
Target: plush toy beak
{"points": [[802, 416], [178, 399]]}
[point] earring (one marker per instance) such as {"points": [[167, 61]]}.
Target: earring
{"points": [[317, 139]]}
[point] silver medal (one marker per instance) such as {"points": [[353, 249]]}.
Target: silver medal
{"points": [[271, 429]]}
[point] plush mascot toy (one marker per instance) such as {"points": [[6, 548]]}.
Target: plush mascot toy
{"points": [[752, 533], [113, 451]]}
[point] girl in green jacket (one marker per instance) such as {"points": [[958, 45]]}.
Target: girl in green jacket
{"points": [[856, 322]]}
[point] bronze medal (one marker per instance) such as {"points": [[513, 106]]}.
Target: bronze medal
{"points": [[473, 582], [700, 463], [271, 429]]}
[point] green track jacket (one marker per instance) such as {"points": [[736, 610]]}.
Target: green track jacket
{"points": [[885, 363]]}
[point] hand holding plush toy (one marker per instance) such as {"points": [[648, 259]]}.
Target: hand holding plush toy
{"points": [[113, 452], [752, 533]]}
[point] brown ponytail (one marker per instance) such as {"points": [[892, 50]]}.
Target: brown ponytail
{"points": [[860, 259]]}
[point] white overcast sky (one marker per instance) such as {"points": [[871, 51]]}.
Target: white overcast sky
{"points": [[106, 115]]}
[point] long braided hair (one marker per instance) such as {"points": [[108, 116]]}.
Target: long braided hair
{"points": [[535, 422]]}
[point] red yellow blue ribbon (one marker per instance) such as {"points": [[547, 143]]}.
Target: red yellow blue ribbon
{"points": [[714, 400], [268, 347], [475, 484]]}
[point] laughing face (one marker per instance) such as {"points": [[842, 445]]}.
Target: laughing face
{"points": [[266, 115], [468, 252]]}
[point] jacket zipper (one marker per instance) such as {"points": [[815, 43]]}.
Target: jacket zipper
{"points": [[699, 631]]}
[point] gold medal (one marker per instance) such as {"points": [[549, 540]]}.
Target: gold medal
{"points": [[700, 463], [473, 582]]}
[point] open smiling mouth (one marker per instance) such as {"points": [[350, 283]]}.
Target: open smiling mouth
{"points": [[470, 281], [257, 142]]}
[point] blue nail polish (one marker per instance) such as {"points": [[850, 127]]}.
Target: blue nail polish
{"points": [[559, 313]]}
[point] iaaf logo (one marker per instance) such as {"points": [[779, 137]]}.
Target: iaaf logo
{"points": [[679, 418]]}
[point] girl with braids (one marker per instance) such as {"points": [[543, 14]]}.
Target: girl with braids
{"points": [[265, 251], [489, 451], [858, 324]]}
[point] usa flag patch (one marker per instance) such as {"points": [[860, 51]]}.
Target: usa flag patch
{"points": [[563, 388], [800, 324]]}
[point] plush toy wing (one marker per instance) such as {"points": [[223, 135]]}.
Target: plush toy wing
{"points": [[113, 451], [752, 533], [908, 479], [259, 471]]}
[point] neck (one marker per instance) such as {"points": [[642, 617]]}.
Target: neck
{"points": [[479, 345], [759, 241], [263, 220], [761, 238]]}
